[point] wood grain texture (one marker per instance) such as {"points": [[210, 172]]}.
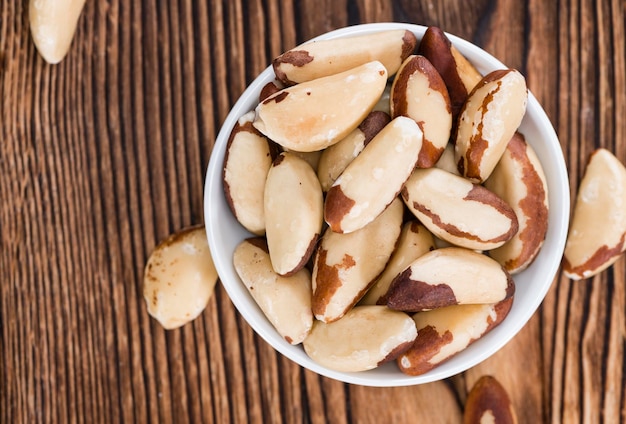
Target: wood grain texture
{"points": [[104, 155]]}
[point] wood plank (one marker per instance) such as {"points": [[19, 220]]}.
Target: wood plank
{"points": [[104, 155], [433, 402]]}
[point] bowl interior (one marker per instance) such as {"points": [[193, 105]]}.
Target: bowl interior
{"points": [[225, 233]]}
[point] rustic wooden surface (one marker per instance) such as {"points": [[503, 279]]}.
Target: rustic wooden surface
{"points": [[104, 155]]}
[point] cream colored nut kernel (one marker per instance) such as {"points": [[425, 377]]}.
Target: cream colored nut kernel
{"points": [[336, 158], [322, 58], [449, 276], [457, 211], [468, 74], [491, 115], [312, 158], [383, 103], [415, 241], [374, 178], [419, 92], [446, 160], [597, 233], [316, 114], [52, 26], [488, 402], [346, 265], [364, 338], [444, 332], [520, 181], [457, 72], [285, 301], [179, 278], [293, 205], [247, 161]]}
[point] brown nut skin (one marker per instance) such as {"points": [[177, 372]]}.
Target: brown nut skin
{"points": [[314, 115], [457, 211], [293, 206], [374, 178], [366, 337], [346, 265], [247, 160], [321, 58], [459, 75], [444, 332], [418, 91], [490, 116], [488, 402], [285, 301], [269, 89], [597, 234], [449, 276], [179, 278], [520, 181]]}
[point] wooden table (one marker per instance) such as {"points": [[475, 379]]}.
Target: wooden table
{"points": [[104, 155]]}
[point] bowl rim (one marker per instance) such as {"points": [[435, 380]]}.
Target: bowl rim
{"points": [[557, 227]]}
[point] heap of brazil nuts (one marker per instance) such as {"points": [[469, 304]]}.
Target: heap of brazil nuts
{"points": [[363, 156]]}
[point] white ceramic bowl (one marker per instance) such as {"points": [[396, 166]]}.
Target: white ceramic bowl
{"points": [[225, 233]]}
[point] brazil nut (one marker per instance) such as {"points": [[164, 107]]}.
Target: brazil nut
{"points": [[374, 178], [179, 278], [449, 276], [321, 58], [597, 234], [489, 402], [346, 265], [520, 181], [293, 206], [366, 337], [418, 91], [444, 332], [334, 160], [285, 301], [457, 211], [457, 72], [247, 161], [489, 118], [316, 114]]}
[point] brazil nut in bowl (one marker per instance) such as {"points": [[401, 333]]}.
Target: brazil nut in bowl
{"points": [[376, 326]]}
